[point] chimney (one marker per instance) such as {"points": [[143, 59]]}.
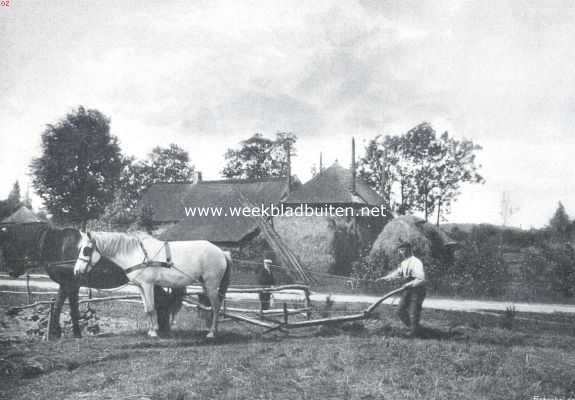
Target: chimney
{"points": [[320, 162], [353, 165], [196, 177], [288, 154]]}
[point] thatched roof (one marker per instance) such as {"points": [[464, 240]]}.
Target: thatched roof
{"points": [[425, 238], [335, 186], [168, 200], [21, 216], [222, 194]]}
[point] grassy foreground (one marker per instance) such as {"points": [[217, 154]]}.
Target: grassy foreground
{"points": [[461, 356]]}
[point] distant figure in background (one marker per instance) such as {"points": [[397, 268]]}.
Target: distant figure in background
{"points": [[266, 278], [411, 270]]}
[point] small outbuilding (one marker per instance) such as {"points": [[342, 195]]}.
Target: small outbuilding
{"points": [[21, 216]]}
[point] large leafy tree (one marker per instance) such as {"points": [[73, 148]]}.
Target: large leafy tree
{"points": [[79, 168], [260, 157], [167, 164], [164, 164], [456, 166], [419, 171]]}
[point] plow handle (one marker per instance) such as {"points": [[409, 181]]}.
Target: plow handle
{"points": [[378, 302]]}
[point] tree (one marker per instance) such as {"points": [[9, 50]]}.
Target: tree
{"points": [[14, 200], [27, 200], [387, 171], [79, 168], [456, 167], [260, 157], [164, 164], [168, 164], [418, 171], [560, 225]]}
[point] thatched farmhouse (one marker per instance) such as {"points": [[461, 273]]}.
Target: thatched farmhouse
{"points": [[328, 243], [21, 216], [169, 202], [320, 242]]}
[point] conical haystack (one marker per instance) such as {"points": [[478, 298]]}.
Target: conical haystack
{"points": [[426, 239]]}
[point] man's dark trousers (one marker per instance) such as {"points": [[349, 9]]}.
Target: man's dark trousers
{"points": [[409, 310]]}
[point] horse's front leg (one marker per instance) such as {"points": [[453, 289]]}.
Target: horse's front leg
{"points": [[147, 293], [55, 329], [73, 294]]}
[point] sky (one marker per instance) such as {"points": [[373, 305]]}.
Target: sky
{"points": [[207, 74]]}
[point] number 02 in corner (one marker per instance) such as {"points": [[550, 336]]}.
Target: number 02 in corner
{"points": [[5, 3]]}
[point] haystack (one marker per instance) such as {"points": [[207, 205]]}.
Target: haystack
{"points": [[426, 239]]}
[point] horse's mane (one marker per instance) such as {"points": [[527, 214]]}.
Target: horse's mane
{"points": [[116, 243]]}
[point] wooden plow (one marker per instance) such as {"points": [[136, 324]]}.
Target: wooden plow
{"points": [[279, 318]]}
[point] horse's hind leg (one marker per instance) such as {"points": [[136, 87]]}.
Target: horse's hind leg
{"points": [[214, 297], [73, 294]]}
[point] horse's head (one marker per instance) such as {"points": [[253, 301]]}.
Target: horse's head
{"points": [[88, 256]]}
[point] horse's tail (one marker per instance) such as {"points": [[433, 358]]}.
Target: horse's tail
{"points": [[225, 282]]}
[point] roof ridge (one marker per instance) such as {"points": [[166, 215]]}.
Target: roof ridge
{"points": [[171, 183], [239, 180]]}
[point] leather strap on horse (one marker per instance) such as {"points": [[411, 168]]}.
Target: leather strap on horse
{"points": [[159, 264], [150, 263], [168, 253]]}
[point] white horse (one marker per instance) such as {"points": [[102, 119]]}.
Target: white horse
{"points": [[148, 262]]}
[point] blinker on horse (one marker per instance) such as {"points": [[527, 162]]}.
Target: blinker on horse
{"points": [[148, 262]]}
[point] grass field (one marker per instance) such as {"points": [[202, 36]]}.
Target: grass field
{"points": [[461, 356]]}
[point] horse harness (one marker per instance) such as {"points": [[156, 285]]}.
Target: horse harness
{"points": [[151, 262]]}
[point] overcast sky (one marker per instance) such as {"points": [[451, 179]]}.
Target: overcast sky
{"points": [[207, 74]]}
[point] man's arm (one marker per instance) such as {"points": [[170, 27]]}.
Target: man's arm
{"points": [[395, 274]]}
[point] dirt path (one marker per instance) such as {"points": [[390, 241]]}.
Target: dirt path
{"points": [[433, 303]]}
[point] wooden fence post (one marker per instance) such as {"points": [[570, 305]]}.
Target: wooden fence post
{"points": [[308, 303], [28, 294], [48, 335]]}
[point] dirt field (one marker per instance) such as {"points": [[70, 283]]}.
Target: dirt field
{"points": [[463, 355]]}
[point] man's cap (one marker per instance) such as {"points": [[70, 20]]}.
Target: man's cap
{"points": [[267, 260]]}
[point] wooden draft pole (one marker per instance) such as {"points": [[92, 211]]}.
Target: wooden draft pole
{"points": [[287, 256]]}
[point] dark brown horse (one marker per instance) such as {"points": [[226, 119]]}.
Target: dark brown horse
{"points": [[35, 245]]}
